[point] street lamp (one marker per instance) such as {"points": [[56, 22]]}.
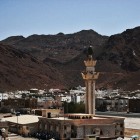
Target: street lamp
{"points": [[17, 114], [67, 104]]}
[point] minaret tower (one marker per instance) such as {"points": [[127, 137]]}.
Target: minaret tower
{"points": [[90, 76]]}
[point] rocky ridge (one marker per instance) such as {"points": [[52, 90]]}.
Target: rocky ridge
{"points": [[57, 60]]}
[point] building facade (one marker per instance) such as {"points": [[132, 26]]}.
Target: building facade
{"points": [[78, 126]]}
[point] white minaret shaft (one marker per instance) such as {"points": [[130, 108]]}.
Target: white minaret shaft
{"points": [[90, 76]]}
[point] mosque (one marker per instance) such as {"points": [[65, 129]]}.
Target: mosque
{"points": [[87, 126]]}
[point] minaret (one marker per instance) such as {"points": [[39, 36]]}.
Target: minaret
{"points": [[90, 76]]}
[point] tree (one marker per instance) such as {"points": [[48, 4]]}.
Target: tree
{"points": [[74, 107]]}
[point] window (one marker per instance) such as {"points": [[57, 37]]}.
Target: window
{"points": [[65, 127], [64, 135]]}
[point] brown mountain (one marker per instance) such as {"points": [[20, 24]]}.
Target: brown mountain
{"points": [[58, 60], [59, 47], [20, 70], [124, 51]]}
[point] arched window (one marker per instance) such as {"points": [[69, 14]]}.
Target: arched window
{"points": [[97, 131], [83, 117]]}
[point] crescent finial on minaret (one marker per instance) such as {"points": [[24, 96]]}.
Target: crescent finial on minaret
{"points": [[90, 52]]}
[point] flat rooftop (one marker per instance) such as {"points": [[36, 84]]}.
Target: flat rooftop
{"points": [[22, 119], [67, 118], [133, 123]]}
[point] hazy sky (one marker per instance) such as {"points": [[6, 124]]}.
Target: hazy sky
{"points": [[107, 17]]}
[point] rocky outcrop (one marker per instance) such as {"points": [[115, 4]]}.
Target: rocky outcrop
{"points": [[57, 60]]}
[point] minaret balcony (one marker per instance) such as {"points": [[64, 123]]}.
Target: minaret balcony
{"points": [[90, 63], [90, 76]]}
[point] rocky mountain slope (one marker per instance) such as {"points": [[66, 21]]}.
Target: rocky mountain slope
{"points": [[123, 50], [57, 60], [20, 70], [59, 47]]}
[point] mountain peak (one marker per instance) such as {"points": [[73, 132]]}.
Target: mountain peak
{"points": [[12, 39], [56, 55]]}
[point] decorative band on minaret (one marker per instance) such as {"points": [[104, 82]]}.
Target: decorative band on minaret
{"points": [[90, 76]]}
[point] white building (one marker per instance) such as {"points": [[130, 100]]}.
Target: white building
{"points": [[66, 98], [77, 92], [3, 96]]}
